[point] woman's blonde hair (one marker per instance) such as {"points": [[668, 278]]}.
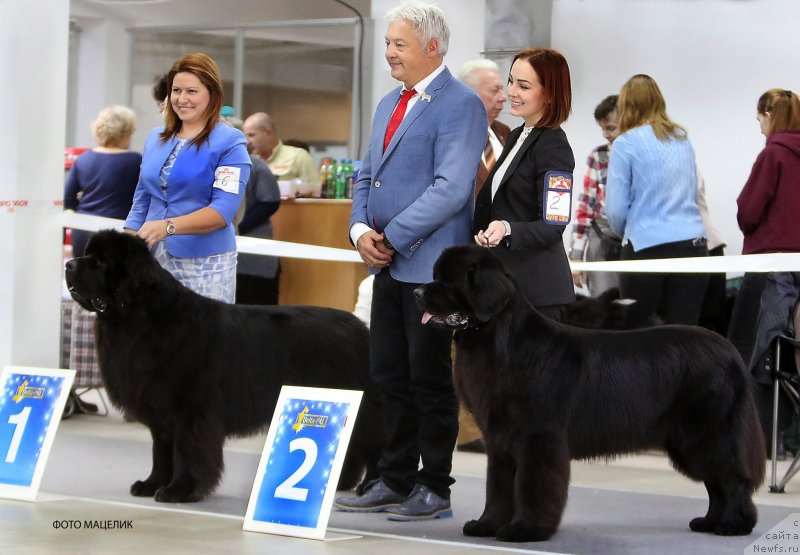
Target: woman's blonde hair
{"points": [[113, 125], [641, 103], [783, 107], [207, 71]]}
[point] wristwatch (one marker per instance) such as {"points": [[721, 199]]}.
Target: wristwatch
{"points": [[170, 227]]}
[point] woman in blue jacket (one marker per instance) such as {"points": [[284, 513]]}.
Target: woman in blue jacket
{"points": [[193, 175]]}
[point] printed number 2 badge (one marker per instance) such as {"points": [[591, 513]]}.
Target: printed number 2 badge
{"points": [[557, 197]]}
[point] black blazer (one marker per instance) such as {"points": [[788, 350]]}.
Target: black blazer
{"points": [[534, 252]]}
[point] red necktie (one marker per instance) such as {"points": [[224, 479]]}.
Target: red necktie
{"points": [[397, 117]]}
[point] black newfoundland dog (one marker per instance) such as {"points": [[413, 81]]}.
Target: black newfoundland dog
{"points": [[544, 393], [195, 370]]}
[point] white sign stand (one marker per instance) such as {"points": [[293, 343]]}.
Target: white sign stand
{"points": [[301, 462], [31, 403]]}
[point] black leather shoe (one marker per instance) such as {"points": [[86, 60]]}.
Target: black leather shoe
{"points": [[422, 504], [377, 497]]}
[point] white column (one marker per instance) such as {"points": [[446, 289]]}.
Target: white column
{"points": [[33, 66], [102, 74]]}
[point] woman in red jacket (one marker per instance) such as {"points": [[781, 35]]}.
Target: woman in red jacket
{"points": [[768, 209], [770, 201]]}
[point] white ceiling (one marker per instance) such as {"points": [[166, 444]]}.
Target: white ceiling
{"points": [[205, 12]]}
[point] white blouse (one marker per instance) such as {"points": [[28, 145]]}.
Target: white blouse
{"points": [[501, 171]]}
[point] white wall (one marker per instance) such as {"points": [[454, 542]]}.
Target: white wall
{"points": [[712, 60]]}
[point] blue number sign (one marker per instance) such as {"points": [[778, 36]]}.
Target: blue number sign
{"points": [[31, 403], [301, 461]]}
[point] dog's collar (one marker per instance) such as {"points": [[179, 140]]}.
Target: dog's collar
{"points": [[101, 305]]}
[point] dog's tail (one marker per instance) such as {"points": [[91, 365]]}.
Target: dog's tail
{"points": [[751, 445]]}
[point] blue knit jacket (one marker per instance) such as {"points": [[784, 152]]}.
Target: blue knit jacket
{"points": [[651, 193]]}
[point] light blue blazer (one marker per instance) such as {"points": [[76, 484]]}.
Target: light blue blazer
{"points": [[420, 192], [191, 186]]}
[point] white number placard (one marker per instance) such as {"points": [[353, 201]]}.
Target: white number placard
{"points": [[31, 403], [301, 462]]}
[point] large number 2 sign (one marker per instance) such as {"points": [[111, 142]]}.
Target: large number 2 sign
{"points": [[301, 462], [287, 489]]}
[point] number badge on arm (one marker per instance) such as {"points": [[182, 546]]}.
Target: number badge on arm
{"points": [[557, 197], [301, 462]]}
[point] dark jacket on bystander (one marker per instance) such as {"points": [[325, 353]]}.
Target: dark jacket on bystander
{"points": [[769, 204]]}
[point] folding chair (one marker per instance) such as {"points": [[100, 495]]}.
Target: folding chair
{"points": [[789, 382]]}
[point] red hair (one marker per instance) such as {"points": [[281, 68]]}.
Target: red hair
{"points": [[553, 71]]}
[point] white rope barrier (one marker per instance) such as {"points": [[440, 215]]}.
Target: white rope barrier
{"points": [[777, 262], [244, 244]]}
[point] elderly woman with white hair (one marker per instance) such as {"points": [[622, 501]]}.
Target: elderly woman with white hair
{"points": [[102, 180]]}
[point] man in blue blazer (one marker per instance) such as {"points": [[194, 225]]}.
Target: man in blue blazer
{"points": [[414, 198]]}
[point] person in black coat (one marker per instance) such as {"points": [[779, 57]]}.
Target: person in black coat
{"points": [[522, 211]]}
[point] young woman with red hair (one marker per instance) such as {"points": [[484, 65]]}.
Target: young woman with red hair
{"points": [[524, 206]]}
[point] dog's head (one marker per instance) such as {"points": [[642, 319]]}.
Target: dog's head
{"points": [[470, 286], [105, 279]]}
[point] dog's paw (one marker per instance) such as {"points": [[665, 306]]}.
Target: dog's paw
{"points": [[171, 494], [514, 532], [479, 529], [702, 524], [734, 528], [143, 489]]}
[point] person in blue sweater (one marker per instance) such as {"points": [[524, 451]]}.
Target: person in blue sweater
{"points": [[651, 201], [193, 177], [105, 177]]}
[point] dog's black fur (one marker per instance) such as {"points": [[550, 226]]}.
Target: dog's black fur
{"points": [[544, 393], [196, 370], [604, 312]]}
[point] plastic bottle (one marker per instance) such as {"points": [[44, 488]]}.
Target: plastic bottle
{"points": [[332, 168], [323, 174], [353, 178], [341, 179]]}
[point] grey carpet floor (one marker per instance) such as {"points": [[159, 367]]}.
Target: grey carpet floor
{"points": [[596, 521]]}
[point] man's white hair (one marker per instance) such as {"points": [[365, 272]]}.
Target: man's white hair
{"points": [[468, 72], [426, 20]]}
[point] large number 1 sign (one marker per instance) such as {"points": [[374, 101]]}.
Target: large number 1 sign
{"points": [[31, 403], [301, 461]]}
